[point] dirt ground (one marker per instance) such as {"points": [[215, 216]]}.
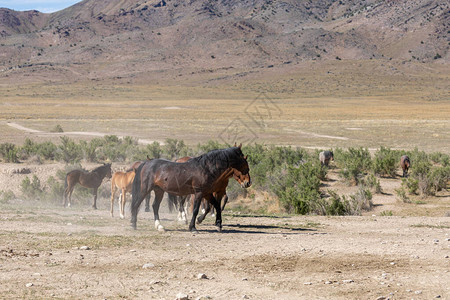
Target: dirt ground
{"points": [[43, 255]]}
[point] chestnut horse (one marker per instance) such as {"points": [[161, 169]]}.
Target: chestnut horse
{"points": [[91, 179], [123, 181], [199, 175], [405, 163]]}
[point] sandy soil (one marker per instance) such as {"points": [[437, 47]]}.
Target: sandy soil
{"points": [[255, 257]]}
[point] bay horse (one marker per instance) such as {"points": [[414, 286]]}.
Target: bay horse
{"points": [[219, 194], [124, 182], [198, 176], [405, 163], [325, 157], [89, 179]]}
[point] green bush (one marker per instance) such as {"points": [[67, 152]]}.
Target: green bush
{"points": [[6, 196], [354, 163], [385, 162], [353, 205], [298, 188], [401, 195], [45, 150], [69, 151], [174, 149], [8, 152], [31, 189], [372, 182]]}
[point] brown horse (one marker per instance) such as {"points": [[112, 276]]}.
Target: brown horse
{"points": [[220, 194], [405, 163], [91, 179], [135, 166], [199, 175], [325, 157], [123, 181]]}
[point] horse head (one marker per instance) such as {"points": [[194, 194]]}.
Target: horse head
{"points": [[108, 173], [241, 170]]}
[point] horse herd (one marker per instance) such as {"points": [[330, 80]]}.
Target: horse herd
{"points": [[204, 177]]}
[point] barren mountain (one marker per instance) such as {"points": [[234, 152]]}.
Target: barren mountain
{"points": [[137, 39]]}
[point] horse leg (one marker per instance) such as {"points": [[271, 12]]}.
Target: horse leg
{"points": [[113, 194], [122, 204], [225, 200], [94, 206], [158, 198], [70, 195], [197, 201], [147, 203], [182, 209], [216, 204], [135, 208], [204, 212]]}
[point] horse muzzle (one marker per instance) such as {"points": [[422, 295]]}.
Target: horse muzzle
{"points": [[246, 184]]}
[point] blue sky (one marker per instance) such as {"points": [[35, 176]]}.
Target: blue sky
{"points": [[45, 6]]}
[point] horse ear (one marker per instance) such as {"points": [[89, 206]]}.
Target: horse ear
{"points": [[240, 146], [235, 145], [148, 158]]}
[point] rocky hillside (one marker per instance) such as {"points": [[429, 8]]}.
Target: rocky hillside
{"points": [[137, 39]]}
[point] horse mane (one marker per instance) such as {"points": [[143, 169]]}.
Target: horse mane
{"points": [[217, 159], [101, 167]]}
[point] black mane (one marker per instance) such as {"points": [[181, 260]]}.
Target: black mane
{"points": [[218, 159], [100, 168]]}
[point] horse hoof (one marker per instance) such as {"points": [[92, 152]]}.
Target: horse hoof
{"points": [[94, 207], [161, 228], [133, 225], [219, 228], [122, 217], [199, 220]]}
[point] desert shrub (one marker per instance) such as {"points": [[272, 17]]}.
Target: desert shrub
{"points": [[354, 163], [8, 152], [55, 190], [113, 148], [153, 150], [411, 184], [31, 189], [298, 187], [440, 158], [351, 205], [386, 213], [372, 182], [69, 151], [174, 148], [439, 177], [401, 195], [6, 196], [385, 162], [264, 161], [57, 128], [45, 150]]}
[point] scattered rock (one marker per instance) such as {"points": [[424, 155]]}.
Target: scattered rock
{"points": [[245, 297], [85, 248], [203, 297], [148, 266], [418, 292], [29, 284], [307, 283], [438, 296], [381, 298], [181, 296], [244, 279], [347, 281], [37, 274], [392, 263], [435, 241], [328, 282], [202, 276], [132, 250]]}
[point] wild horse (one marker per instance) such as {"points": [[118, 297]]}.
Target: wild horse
{"points": [[124, 182], [199, 176], [89, 179]]}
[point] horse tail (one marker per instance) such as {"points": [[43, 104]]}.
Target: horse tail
{"points": [[136, 195], [65, 182]]}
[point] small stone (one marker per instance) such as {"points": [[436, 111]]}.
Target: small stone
{"points": [[69, 224], [436, 241], [328, 282], [132, 250], [245, 297], [202, 276], [37, 274], [408, 290], [418, 292], [148, 266], [244, 279], [85, 248], [438, 296], [447, 239], [307, 283], [392, 263], [29, 284], [347, 281], [203, 297], [446, 256], [181, 296], [381, 298]]}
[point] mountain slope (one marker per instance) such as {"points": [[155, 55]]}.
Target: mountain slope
{"points": [[134, 38]]}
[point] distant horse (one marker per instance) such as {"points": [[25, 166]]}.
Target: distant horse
{"points": [[219, 194], [91, 179], [198, 176], [123, 181], [405, 163], [325, 157]]}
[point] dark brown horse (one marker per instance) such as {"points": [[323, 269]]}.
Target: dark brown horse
{"points": [[91, 179], [219, 194], [405, 163], [199, 176]]}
